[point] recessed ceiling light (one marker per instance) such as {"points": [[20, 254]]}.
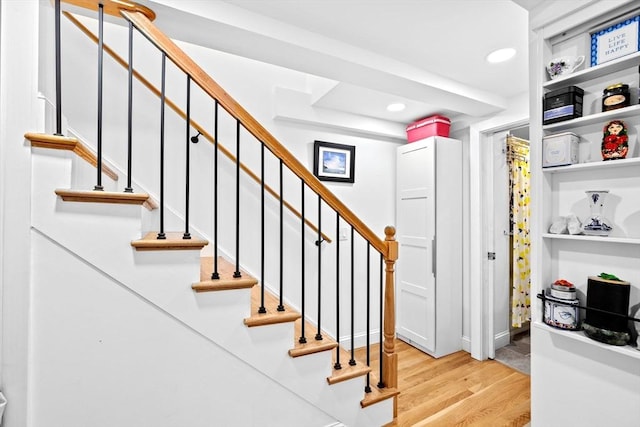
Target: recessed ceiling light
{"points": [[501, 55], [397, 106]]}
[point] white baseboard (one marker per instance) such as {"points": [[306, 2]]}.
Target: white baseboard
{"points": [[466, 344], [501, 339]]}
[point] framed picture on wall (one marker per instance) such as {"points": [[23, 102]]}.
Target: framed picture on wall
{"points": [[334, 162]]}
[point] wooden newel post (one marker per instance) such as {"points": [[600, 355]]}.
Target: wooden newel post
{"points": [[389, 357]]}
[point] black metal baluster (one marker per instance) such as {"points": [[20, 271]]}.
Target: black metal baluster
{"points": [[281, 304], [381, 382], [98, 186], [161, 234], [319, 243], [186, 234], [337, 365], [215, 275], [129, 188], [262, 308], [237, 273], [352, 361], [367, 387], [58, 70], [303, 338]]}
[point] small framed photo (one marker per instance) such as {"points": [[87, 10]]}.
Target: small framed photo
{"points": [[334, 162]]}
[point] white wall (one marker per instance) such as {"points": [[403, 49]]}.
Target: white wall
{"points": [[18, 113], [103, 356]]}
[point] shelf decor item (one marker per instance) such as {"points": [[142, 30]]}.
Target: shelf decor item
{"points": [[615, 41], [561, 306], [607, 309], [596, 224], [429, 126], [560, 149], [564, 65], [615, 141], [616, 96], [562, 104]]}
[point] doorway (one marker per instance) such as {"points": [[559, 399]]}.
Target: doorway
{"points": [[510, 241]]}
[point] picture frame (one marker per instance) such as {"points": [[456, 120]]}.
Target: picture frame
{"points": [[615, 41], [334, 162]]}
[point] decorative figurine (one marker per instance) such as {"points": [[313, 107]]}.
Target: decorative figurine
{"points": [[615, 142], [595, 224]]}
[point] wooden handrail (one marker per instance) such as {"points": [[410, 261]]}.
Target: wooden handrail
{"points": [[113, 7], [193, 123], [209, 86]]}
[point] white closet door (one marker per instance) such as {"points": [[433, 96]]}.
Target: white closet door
{"points": [[416, 224]]}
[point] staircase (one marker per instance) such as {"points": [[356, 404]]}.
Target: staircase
{"points": [[150, 339], [173, 279]]}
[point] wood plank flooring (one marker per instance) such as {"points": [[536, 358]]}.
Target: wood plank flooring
{"points": [[457, 390]]}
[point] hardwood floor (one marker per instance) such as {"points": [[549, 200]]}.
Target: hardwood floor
{"points": [[457, 390]]}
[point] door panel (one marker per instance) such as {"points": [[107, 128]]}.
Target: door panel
{"points": [[416, 225]]}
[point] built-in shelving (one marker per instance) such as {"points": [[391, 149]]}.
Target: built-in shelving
{"points": [[626, 350], [578, 167], [599, 239], [591, 73], [595, 372], [597, 118]]}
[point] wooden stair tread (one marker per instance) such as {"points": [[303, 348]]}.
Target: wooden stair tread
{"points": [[378, 395], [94, 196], [347, 371], [226, 280], [174, 241], [272, 316], [312, 345], [59, 142]]}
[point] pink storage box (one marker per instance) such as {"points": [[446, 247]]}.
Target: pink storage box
{"points": [[429, 126]]}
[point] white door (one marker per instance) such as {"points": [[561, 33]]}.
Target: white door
{"points": [[500, 236], [415, 233]]}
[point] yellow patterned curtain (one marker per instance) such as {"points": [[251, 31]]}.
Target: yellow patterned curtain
{"points": [[519, 194]]}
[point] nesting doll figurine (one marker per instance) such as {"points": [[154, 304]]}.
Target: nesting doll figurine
{"points": [[615, 141]]}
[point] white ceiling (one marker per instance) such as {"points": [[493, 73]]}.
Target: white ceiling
{"points": [[364, 54]]}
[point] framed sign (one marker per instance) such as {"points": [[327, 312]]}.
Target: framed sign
{"points": [[334, 162], [615, 41]]}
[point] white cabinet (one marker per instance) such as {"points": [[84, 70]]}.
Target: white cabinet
{"points": [[429, 230], [599, 382]]}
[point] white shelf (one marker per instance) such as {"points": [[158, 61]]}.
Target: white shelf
{"points": [[599, 239], [598, 118], [578, 167], [580, 336], [594, 72]]}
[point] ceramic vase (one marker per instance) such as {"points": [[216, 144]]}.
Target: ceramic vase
{"points": [[596, 224]]}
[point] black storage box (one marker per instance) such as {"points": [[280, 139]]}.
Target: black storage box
{"points": [[610, 296], [562, 104]]}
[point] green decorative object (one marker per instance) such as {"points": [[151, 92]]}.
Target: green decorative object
{"points": [[610, 277]]}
